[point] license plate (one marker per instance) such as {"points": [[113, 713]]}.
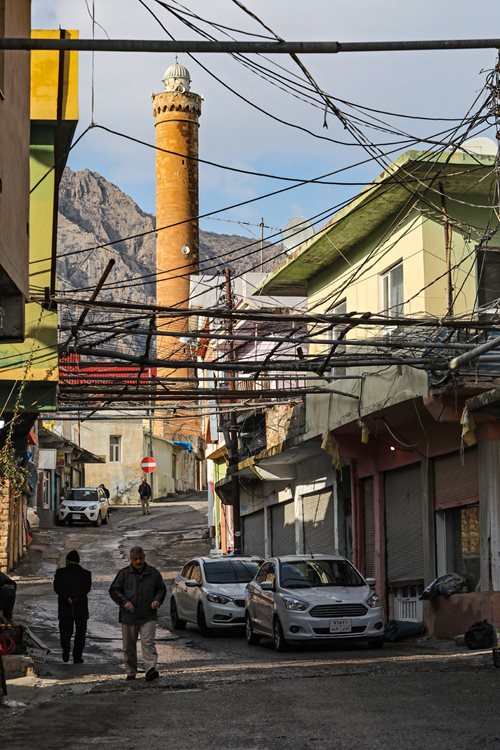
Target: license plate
{"points": [[340, 626], [77, 516]]}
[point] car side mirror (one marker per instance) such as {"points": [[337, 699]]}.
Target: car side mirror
{"points": [[192, 584], [371, 582], [267, 586]]}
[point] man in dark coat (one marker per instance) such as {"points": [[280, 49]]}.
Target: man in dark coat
{"points": [[72, 585], [139, 590], [145, 495], [7, 596]]}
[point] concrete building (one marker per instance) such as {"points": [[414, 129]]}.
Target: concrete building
{"points": [[401, 471], [29, 369]]}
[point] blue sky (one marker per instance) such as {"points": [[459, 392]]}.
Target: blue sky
{"points": [[232, 132]]}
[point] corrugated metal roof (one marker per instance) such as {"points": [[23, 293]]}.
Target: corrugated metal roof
{"points": [[415, 170]]}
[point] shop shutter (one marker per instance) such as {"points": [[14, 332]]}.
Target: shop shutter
{"points": [[369, 509], [456, 483], [404, 525], [253, 533], [283, 528], [319, 522]]}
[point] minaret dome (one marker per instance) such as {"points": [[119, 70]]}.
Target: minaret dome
{"points": [[177, 78]]}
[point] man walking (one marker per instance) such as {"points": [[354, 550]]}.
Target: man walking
{"points": [[139, 590], [145, 494], [72, 585]]}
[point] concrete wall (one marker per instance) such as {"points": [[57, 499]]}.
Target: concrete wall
{"points": [[14, 149]]}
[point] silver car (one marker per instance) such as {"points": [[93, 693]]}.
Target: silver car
{"points": [[301, 598], [210, 592], [84, 504]]}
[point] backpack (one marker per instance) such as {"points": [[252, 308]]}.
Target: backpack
{"points": [[480, 635]]}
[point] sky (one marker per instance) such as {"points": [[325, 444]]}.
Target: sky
{"points": [[235, 133]]}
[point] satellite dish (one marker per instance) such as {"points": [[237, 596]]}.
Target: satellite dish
{"points": [[481, 146], [185, 250], [296, 231]]}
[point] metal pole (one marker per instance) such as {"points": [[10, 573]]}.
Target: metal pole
{"points": [[474, 353], [280, 47], [233, 424], [447, 243]]}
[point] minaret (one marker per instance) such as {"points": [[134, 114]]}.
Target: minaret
{"points": [[176, 111]]}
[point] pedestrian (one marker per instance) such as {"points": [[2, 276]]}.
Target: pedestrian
{"points": [[72, 585], [139, 590], [145, 494], [104, 490], [7, 596]]}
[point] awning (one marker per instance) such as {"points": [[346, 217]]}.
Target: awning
{"points": [[49, 439]]}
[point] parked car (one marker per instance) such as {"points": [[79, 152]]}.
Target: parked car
{"points": [[210, 592], [301, 598], [84, 504], [33, 518]]}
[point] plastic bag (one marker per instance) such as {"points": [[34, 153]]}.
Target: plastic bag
{"points": [[480, 635]]}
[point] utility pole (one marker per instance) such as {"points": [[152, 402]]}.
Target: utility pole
{"points": [[233, 424], [447, 244], [261, 243]]}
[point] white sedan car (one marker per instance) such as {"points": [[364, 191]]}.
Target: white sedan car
{"points": [[301, 598], [84, 504], [210, 592]]}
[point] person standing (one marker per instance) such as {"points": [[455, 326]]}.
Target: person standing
{"points": [[105, 490], [145, 495], [72, 585], [139, 590], [7, 596]]}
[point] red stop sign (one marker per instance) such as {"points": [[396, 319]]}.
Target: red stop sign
{"points": [[148, 464]]}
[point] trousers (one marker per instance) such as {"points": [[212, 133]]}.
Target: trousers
{"points": [[66, 627], [130, 634], [145, 505]]}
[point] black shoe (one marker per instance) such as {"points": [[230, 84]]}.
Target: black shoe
{"points": [[65, 656], [130, 677], [152, 674], [78, 661]]}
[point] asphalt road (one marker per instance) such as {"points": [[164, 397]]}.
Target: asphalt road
{"points": [[219, 692]]}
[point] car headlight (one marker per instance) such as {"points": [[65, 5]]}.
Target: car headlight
{"points": [[218, 598], [374, 600], [296, 604], [92, 507], [63, 507]]}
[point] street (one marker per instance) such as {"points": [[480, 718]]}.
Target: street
{"points": [[219, 691]]}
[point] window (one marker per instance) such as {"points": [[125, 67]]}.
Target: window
{"points": [[267, 573], [115, 448], [186, 571], [488, 276], [196, 573], [392, 291], [235, 571], [462, 538], [315, 573]]}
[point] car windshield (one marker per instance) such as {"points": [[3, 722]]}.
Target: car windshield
{"points": [[230, 571], [81, 494], [306, 574]]}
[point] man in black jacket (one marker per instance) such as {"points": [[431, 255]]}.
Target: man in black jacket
{"points": [[7, 596], [139, 590], [145, 495], [72, 585]]}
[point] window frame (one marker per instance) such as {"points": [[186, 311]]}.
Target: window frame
{"points": [[391, 308], [115, 449]]}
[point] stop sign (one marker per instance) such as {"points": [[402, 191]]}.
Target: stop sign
{"points": [[148, 464]]}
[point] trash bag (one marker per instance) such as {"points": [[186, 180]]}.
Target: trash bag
{"points": [[480, 635], [397, 630], [446, 585]]}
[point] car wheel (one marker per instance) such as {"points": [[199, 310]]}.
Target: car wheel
{"points": [[177, 623], [376, 642], [252, 638], [105, 520], [98, 521], [202, 623], [280, 643]]}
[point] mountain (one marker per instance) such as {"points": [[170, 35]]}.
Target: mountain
{"points": [[93, 211]]}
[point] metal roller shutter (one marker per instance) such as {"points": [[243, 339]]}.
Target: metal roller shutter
{"points": [[283, 528], [404, 525], [369, 523], [253, 533], [319, 522], [456, 483]]}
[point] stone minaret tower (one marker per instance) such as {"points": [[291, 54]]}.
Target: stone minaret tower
{"points": [[176, 111]]}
